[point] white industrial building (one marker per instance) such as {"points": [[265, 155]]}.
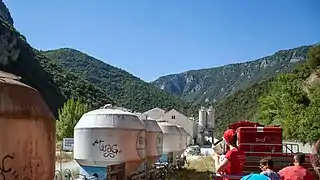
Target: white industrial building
{"points": [[155, 113], [175, 117], [199, 130]]}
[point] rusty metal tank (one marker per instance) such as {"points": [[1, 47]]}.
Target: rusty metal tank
{"points": [[27, 129]]}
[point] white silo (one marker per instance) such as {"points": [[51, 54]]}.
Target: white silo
{"points": [[171, 139], [109, 136], [202, 124], [202, 118], [210, 117], [211, 122], [154, 139]]}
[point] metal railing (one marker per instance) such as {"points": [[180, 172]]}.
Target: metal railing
{"points": [[287, 148], [66, 175]]}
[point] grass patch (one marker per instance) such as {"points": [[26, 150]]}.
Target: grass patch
{"points": [[64, 156], [197, 169], [202, 164]]}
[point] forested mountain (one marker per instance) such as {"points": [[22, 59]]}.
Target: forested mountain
{"points": [[71, 73], [124, 88], [281, 89], [214, 84], [291, 100]]}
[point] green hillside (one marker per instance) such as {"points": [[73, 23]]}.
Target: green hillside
{"points": [[289, 99], [65, 73], [124, 88]]}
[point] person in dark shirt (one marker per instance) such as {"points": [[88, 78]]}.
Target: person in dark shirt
{"points": [[266, 165]]}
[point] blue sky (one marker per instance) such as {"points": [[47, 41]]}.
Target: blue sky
{"points": [[151, 38]]}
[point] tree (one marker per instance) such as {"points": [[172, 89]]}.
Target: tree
{"points": [[310, 125], [69, 115], [285, 105], [314, 56]]}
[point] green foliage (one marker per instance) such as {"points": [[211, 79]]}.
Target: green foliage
{"points": [[72, 86], [275, 105], [310, 124], [284, 104], [294, 104], [69, 115], [124, 88], [29, 68], [314, 56], [242, 105]]}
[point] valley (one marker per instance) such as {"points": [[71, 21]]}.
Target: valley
{"points": [[234, 90]]}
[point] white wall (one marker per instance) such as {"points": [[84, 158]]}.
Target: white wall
{"points": [[177, 118], [155, 113], [304, 148]]}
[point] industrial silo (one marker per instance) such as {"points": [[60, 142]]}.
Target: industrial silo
{"points": [[202, 124], [210, 117], [27, 132], [154, 138], [106, 137], [202, 118]]}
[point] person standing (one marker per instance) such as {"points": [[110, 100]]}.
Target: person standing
{"points": [[297, 171], [234, 160]]}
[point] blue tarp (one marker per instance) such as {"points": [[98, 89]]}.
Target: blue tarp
{"points": [[255, 177]]}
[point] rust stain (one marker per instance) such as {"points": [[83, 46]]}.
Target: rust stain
{"points": [[27, 127], [18, 100]]}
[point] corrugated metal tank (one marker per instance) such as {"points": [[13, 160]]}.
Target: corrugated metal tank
{"points": [[171, 137], [27, 132], [110, 136], [171, 141], [154, 139], [184, 136]]}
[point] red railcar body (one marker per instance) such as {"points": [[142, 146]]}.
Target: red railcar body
{"points": [[259, 141]]}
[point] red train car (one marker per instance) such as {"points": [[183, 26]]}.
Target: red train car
{"points": [[259, 141]]}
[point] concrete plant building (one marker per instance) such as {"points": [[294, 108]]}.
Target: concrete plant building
{"points": [[206, 125], [175, 117]]}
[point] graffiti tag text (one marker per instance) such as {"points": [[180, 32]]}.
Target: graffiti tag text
{"points": [[107, 149]]}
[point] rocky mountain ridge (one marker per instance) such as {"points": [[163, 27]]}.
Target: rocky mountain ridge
{"points": [[214, 84], [5, 13]]}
